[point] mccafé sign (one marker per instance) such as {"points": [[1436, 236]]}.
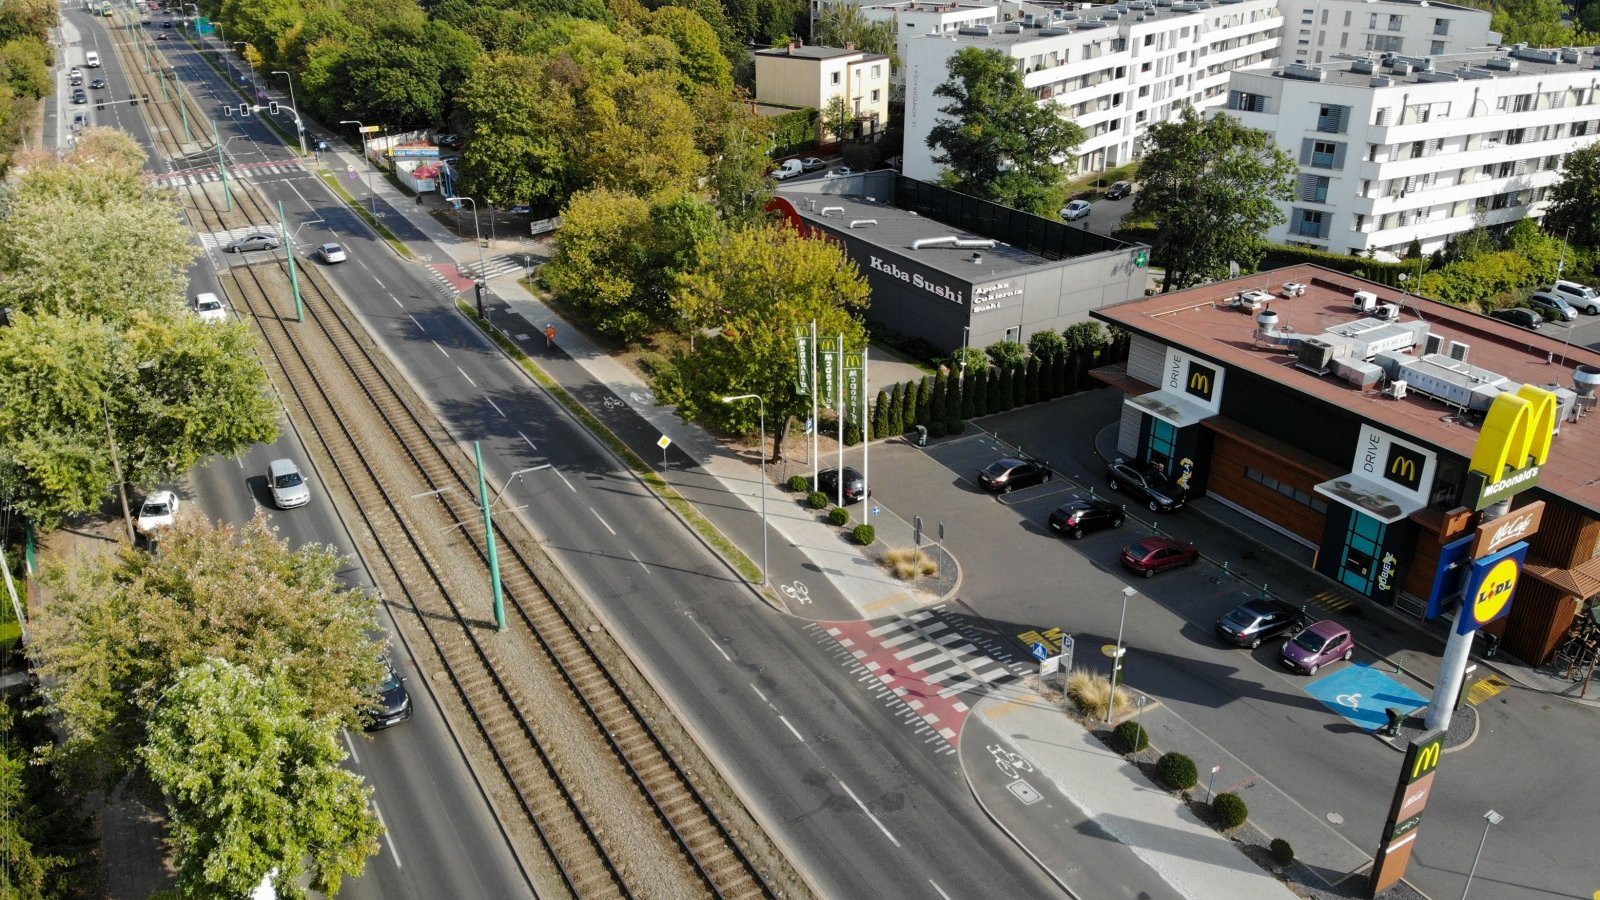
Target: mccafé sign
{"points": [[1497, 534], [1513, 445]]}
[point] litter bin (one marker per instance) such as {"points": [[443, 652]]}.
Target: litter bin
{"points": [[922, 436], [1491, 644], [1395, 718]]}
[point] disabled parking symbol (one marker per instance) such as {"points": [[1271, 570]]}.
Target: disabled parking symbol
{"points": [[1361, 693]]}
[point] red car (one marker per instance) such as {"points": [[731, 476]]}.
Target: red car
{"points": [[1156, 554]]}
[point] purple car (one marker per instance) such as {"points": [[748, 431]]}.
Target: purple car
{"points": [[1317, 645]]}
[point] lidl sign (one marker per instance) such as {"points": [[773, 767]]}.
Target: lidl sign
{"points": [[1490, 586], [1513, 445]]}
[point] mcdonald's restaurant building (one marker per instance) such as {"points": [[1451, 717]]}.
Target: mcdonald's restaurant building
{"points": [[1345, 416]]}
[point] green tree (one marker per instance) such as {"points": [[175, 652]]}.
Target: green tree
{"points": [[843, 23], [87, 235], [1019, 384], [519, 122], [836, 119], [924, 402], [1574, 199], [971, 392], [897, 409], [937, 404], [1005, 353], [995, 140], [699, 48], [1008, 388], [1030, 386], [1537, 23], [737, 172], [757, 285], [603, 262], [28, 868], [238, 593], [994, 391], [166, 392], [881, 426], [256, 790], [1210, 185]]}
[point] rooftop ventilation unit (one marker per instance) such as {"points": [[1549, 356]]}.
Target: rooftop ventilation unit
{"points": [[1363, 67], [1586, 380], [1013, 28], [1431, 343], [1535, 54], [1571, 55], [975, 31], [832, 209], [1458, 351], [1185, 7], [1111, 15], [1400, 68], [1083, 25], [1502, 64], [1417, 63], [1363, 301], [862, 223], [1316, 355], [948, 240], [1054, 31], [1380, 81], [1468, 73], [1303, 72], [1426, 77]]}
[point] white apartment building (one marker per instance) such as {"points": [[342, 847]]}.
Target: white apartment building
{"points": [[798, 76], [915, 18], [1113, 70], [1318, 29], [1420, 149]]}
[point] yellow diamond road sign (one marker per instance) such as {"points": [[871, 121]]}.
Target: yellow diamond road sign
{"points": [[664, 443]]}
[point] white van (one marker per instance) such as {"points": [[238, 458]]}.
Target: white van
{"points": [[91, 59], [789, 169], [1580, 295]]}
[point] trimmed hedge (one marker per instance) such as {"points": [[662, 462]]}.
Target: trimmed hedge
{"points": [[1130, 737], [864, 534], [817, 499], [1230, 810], [1177, 772], [838, 515], [797, 483], [1280, 851]]}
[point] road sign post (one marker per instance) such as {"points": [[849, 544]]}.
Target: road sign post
{"points": [[664, 443]]}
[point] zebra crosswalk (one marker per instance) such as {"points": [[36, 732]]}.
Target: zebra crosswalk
{"points": [[929, 667], [495, 266], [240, 172]]}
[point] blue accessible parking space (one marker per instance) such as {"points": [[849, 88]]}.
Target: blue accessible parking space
{"points": [[1361, 693]]}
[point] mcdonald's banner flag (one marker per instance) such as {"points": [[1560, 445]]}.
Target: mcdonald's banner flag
{"points": [[802, 345], [827, 377], [854, 379], [1513, 445]]}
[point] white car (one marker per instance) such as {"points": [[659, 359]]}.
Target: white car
{"points": [[209, 308], [160, 510], [1581, 296], [840, 172], [332, 253], [287, 485], [1077, 209]]}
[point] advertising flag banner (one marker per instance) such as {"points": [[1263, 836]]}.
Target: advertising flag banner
{"points": [[802, 343], [827, 377], [854, 378]]}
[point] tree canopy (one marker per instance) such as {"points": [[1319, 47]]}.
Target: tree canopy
{"points": [[754, 288], [235, 593], [253, 783], [995, 139], [1575, 198], [1210, 185]]}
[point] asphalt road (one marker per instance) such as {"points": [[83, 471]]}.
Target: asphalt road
{"points": [[861, 808]]}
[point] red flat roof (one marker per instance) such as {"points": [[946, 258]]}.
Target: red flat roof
{"points": [[1204, 320]]}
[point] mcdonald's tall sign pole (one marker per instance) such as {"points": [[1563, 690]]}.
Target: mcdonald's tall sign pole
{"points": [[1512, 447], [1405, 812]]}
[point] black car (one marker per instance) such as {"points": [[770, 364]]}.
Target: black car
{"points": [[855, 484], [1119, 190], [1248, 624], [98, 84], [78, 96], [1079, 517], [394, 701], [1148, 484], [1006, 475], [1519, 316]]}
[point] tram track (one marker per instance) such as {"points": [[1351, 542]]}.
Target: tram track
{"points": [[581, 755]]}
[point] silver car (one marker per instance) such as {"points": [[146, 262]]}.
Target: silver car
{"points": [[332, 253], [288, 486], [257, 241]]}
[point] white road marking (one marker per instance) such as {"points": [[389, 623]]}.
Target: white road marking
{"points": [[798, 737], [397, 301], [564, 480], [466, 376], [352, 745], [388, 837], [440, 349], [759, 694], [638, 560], [503, 415], [603, 522], [709, 639], [421, 329], [868, 812], [528, 442], [939, 889], [379, 283]]}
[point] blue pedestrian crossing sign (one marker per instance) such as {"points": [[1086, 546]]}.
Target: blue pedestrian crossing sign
{"points": [[1041, 652]]}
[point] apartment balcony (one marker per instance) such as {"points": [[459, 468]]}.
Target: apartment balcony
{"points": [[1423, 197], [1384, 169], [1486, 120]]}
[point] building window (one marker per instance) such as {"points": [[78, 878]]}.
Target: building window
{"points": [[1372, 21], [1163, 443], [1333, 119], [1436, 48], [876, 94], [833, 78], [1363, 545], [1394, 23], [1243, 102], [877, 72], [1310, 223], [1322, 154], [1385, 43], [1313, 188], [1441, 27]]}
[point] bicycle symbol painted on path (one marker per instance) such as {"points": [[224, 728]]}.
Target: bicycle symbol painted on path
{"points": [[612, 403], [1009, 761], [797, 592]]}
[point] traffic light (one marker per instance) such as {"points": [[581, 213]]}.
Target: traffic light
{"points": [[244, 110], [272, 107], [227, 112]]}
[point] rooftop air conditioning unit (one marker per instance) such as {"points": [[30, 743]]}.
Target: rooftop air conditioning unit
{"points": [[1315, 355]]}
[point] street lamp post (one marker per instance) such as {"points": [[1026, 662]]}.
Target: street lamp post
{"points": [[1490, 819], [475, 232], [254, 88], [299, 127], [371, 198], [762, 442], [1116, 661]]}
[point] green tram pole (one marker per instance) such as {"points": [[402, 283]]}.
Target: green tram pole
{"points": [[488, 533], [294, 274]]}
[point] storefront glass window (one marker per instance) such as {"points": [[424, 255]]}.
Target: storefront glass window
{"points": [[1163, 444], [1363, 545]]}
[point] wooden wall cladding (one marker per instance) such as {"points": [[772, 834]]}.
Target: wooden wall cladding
{"points": [[1229, 460]]}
